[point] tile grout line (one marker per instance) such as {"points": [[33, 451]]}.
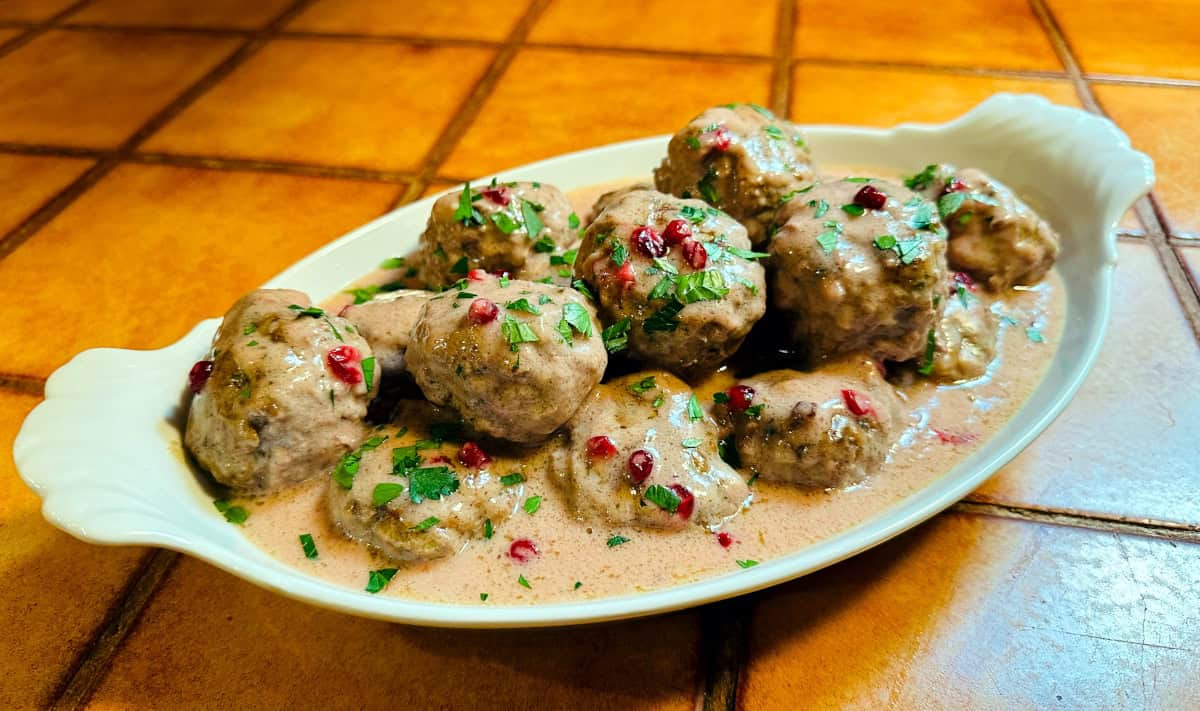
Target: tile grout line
{"points": [[1073, 519], [33, 31], [994, 72], [24, 384], [780, 98], [472, 104]]}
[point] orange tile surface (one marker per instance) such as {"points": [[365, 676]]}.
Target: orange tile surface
{"points": [[212, 235], [1153, 38], [1000, 34], [470, 19], [981, 613], [32, 10], [560, 113], [95, 89], [180, 13], [334, 103], [54, 590], [260, 648], [826, 94], [1165, 123], [26, 182], [1145, 391], [6, 35], [638, 24]]}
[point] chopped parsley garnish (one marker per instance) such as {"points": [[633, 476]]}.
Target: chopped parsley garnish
{"points": [[662, 497], [573, 221], [755, 411], [1034, 335], [582, 287], [658, 401], [950, 202], [362, 294], [692, 214], [762, 110], [820, 208], [426, 524], [922, 217], [691, 443], [368, 371], [663, 289], [311, 311], [828, 241], [383, 494], [746, 253], [853, 210], [347, 467], [794, 193], [921, 180], [616, 541], [533, 223], [466, 212], [488, 529], [378, 579], [504, 223], [567, 257], [693, 143], [720, 398], [856, 180], [392, 263], [616, 336], [233, 514], [707, 187], [619, 254], [522, 304], [544, 245], [578, 584], [532, 504], [460, 267], [523, 582], [483, 597], [309, 546], [774, 132], [250, 328], [512, 479], [707, 285], [695, 412], [431, 483], [643, 385], [926, 366], [578, 318], [517, 332], [907, 249], [748, 563], [665, 319]]}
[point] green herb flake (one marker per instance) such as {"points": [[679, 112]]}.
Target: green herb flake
{"points": [[232, 514], [694, 215], [362, 294], [828, 241], [691, 443], [695, 412], [384, 494], [748, 563], [517, 332], [523, 582], [347, 467], [922, 217], [578, 585], [708, 285], [644, 385], [579, 319], [788, 197], [431, 483], [544, 245], [504, 223], [249, 328], [582, 287], [488, 529], [926, 366], [761, 109], [755, 411], [309, 545], [616, 541], [426, 524], [378, 579], [693, 143], [512, 479], [310, 311], [707, 187], [820, 207], [573, 221], [856, 180], [658, 401], [774, 132], [663, 289], [662, 497], [466, 212], [921, 180], [522, 304], [616, 336], [720, 398], [665, 319], [566, 258], [1034, 335], [746, 253], [853, 210], [885, 242], [949, 203], [392, 263], [532, 504], [483, 597], [533, 223], [368, 371], [619, 254]]}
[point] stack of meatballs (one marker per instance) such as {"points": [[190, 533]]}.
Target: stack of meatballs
{"points": [[526, 308]]}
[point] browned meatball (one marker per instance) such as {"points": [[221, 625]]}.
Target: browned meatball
{"points": [[994, 236], [675, 279], [824, 429], [612, 196], [288, 390], [964, 342], [494, 228], [516, 358], [857, 278], [740, 158], [641, 451], [386, 322], [557, 267]]}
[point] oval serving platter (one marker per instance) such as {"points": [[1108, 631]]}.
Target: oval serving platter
{"points": [[104, 450]]}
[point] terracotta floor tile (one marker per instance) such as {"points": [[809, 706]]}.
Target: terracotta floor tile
{"points": [[438, 187], [467, 19], [257, 646], [1001, 34], [639, 24], [1143, 393], [1165, 123], [54, 590], [825, 94], [6, 35], [31, 10], [1153, 38], [174, 13], [28, 181], [333, 103], [559, 112], [982, 613], [94, 89], [164, 248]]}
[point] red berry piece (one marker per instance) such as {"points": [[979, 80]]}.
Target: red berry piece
{"points": [[964, 279], [472, 455], [438, 459], [718, 139], [498, 195], [343, 362], [695, 254], [724, 539], [625, 276], [648, 242], [740, 397], [601, 447], [641, 466], [677, 231], [522, 550], [858, 404], [482, 311], [954, 185], [687, 502], [870, 198], [477, 275], [199, 375]]}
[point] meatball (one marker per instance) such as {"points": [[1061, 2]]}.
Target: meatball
{"points": [[287, 391], [824, 429], [494, 228], [516, 358], [964, 342], [386, 322], [641, 451], [994, 236], [612, 196], [740, 158], [411, 498], [555, 267], [859, 267], [674, 278]]}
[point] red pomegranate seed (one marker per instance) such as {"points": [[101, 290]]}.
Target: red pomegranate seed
{"points": [[687, 502], [601, 447], [343, 361], [477, 275], [964, 279], [955, 438], [695, 254], [438, 459], [677, 231], [718, 139], [482, 311], [522, 550], [641, 465], [472, 455], [870, 198], [740, 397], [625, 275], [724, 539], [199, 375], [648, 242], [858, 404], [498, 194], [955, 186]]}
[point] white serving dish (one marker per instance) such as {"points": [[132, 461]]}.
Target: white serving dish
{"points": [[104, 452]]}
